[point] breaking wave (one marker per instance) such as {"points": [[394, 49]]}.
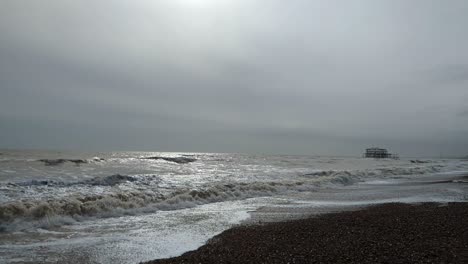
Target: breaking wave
{"points": [[14, 214], [179, 160], [55, 162], [395, 171], [103, 181], [29, 213]]}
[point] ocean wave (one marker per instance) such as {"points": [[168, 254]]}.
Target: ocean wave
{"points": [[132, 202], [60, 161], [395, 171], [111, 180], [420, 161], [144, 199], [55, 162], [178, 160]]}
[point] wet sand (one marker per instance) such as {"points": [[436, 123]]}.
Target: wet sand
{"points": [[389, 233]]}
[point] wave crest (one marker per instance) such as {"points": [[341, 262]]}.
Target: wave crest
{"points": [[103, 181], [124, 203], [145, 200]]}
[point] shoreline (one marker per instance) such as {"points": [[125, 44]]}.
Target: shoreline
{"points": [[386, 233]]}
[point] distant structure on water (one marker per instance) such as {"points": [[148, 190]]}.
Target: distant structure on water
{"points": [[379, 153]]}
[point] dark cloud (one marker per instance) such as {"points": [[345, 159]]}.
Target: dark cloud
{"points": [[320, 77]]}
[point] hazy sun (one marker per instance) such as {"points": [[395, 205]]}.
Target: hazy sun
{"points": [[194, 2], [203, 3]]}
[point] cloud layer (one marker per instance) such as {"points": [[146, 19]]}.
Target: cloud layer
{"points": [[301, 77]]}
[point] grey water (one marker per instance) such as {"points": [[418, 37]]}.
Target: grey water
{"points": [[126, 207]]}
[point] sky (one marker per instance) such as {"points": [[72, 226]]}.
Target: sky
{"points": [[319, 77]]}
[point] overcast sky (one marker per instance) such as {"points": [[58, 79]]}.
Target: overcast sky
{"points": [[272, 76]]}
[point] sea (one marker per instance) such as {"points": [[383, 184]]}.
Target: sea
{"points": [[128, 207]]}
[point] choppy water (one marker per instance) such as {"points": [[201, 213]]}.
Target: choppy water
{"points": [[125, 207]]}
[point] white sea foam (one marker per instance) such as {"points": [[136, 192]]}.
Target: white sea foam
{"points": [[50, 212], [69, 193], [87, 204]]}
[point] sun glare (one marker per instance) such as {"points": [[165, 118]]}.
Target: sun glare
{"points": [[194, 2], [202, 3]]}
